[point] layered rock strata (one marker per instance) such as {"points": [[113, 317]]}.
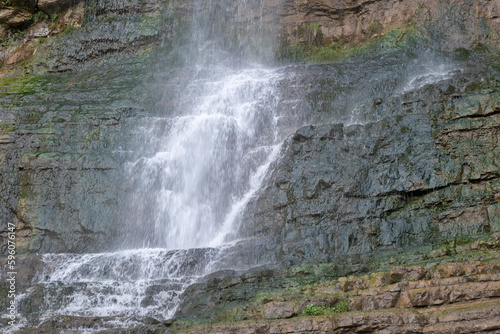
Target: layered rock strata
{"points": [[428, 298]]}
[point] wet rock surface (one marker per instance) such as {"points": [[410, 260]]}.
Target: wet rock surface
{"points": [[403, 180], [421, 294], [59, 172], [477, 319], [292, 289]]}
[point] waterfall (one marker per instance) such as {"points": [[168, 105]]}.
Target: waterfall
{"points": [[198, 160], [202, 154], [202, 161]]}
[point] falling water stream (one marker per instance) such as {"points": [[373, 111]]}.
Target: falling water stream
{"points": [[205, 161]]}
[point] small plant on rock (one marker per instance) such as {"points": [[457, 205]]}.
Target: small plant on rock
{"points": [[316, 310], [312, 309], [341, 306]]}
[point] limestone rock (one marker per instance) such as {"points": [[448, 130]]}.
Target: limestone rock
{"points": [[41, 29], [459, 269], [361, 20], [353, 192], [398, 274], [54, 6], [3, 32], [279, 310], [14, 16]]}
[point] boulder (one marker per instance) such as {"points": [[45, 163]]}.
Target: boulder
{"points": [[14, 17]]}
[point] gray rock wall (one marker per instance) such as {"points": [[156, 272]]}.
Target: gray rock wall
{"points": [[62, 174], [427, 170], [65, 125]]}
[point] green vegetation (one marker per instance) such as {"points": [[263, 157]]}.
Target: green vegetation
{"points": [[263, 297], [393, 39], [341, 306], [24, 184], [315, 310], [39, 17], [6, 128], [66, 31], [21, 85], [15, 38], [312, 309], [375, 27], [462, 54], [53, 21]]}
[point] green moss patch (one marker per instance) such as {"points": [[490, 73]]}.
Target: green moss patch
{"points": [[21, 85], [390, 40]]}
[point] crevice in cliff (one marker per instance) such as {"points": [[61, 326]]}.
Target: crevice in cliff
{"points": [[485, 177], [47, 235], [481, 114], [413, 195], [319, 9], [479, 129]]}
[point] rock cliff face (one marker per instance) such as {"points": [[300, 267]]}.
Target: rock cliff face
{"points": [[63, 135], [403, 180], [361, 19], [416, 164]]}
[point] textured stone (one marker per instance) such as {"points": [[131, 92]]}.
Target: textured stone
{"points": [[278, 310], [402, 180], [460, 269], [398, 274], [14, 16], [459, 313], [54, 6]]}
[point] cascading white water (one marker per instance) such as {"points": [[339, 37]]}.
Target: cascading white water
{"points": [[431, 74], [206, 161], [142, 282]]}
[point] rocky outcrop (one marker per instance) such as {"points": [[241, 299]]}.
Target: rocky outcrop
{"points": [[359, 20], [55, 6], [16, 13], [18, 17], [425, 272], [311, 30], [427, 298], [478, 318], [108, 31], [403, 180]]}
